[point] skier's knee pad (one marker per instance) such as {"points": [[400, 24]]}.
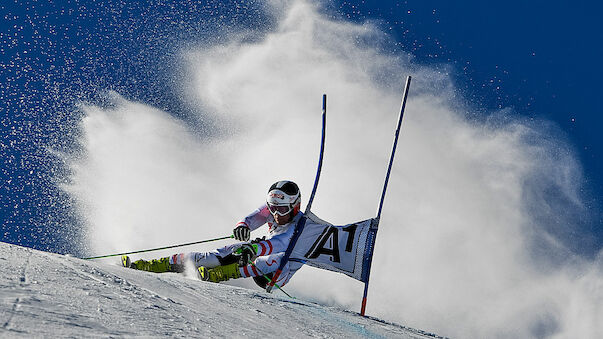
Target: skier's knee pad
{"points": [[206, 259]]}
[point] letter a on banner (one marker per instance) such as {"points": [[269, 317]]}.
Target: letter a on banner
{"points": [[342, 249]]}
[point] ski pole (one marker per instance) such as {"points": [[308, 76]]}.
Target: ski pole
{"points": [[159, 248], [267, 278]]}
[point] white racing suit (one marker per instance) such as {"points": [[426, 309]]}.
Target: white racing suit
{"points": [[270, 251]]}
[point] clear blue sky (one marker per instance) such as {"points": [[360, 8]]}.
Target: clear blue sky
{"points": [[539, 58]]}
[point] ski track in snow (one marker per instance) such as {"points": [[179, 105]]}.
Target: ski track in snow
{"points": [[45, 294]]}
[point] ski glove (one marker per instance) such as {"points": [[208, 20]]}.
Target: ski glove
{"points": [[242, 233], [257, 240], [246, 253]]}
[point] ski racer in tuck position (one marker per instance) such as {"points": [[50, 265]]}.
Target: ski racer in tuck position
{"points": [[246, 258]]}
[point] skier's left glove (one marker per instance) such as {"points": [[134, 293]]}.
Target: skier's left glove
{"points": [[242, 233], [246, 253]]}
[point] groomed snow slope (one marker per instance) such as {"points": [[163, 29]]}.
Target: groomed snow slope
{"points": [[50, 295]]}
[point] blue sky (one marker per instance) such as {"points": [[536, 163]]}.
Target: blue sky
{"points": [[538, 58]]}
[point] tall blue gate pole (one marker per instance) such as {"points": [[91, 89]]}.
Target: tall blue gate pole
{"points": [[302, 221], [322, 151], [389, 169]]}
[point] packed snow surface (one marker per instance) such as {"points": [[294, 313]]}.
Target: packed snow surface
{"points": [[50, 295]]}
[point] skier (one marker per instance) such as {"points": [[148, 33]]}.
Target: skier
{"points": [[259, 258]]}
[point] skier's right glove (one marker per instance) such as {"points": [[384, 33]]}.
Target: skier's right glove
{"points": [[257, 240], [241, 233], [246, 253]]}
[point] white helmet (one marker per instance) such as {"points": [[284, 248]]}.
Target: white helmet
{"points": [[284, 198]]}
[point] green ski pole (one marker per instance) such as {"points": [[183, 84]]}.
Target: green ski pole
{"points": [[159, 248], [267, 278]]}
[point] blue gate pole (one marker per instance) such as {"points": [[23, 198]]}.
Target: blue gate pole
{"points": [[389, 169], [302, 221]]}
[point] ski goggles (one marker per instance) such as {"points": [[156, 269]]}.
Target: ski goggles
{"points": [[281, 210]]}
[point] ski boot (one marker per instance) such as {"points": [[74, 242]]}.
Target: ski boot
{"points": [[125, 261], [219, 273], [156, 265]]}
